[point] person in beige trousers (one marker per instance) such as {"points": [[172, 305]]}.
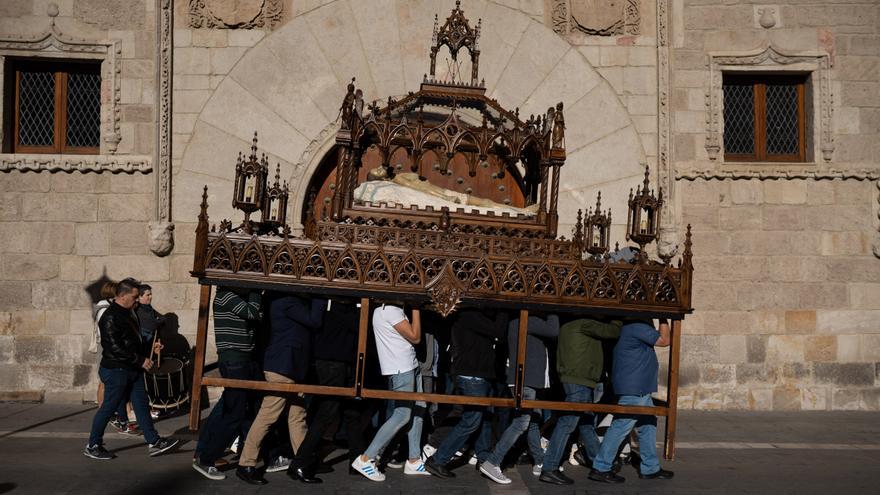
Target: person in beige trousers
{"points": [[292, 319]]}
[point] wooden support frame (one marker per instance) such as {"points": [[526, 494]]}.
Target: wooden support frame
{"points": [[665, 408]]}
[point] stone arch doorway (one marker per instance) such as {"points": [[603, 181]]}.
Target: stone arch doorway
{"points": [[289, 88]]}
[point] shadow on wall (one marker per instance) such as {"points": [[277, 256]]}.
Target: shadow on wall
{"points": [[94, 288]]}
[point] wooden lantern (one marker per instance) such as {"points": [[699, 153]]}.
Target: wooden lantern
{"points": [[597, 229], [275, 204], [250, 182], [643, 219]]}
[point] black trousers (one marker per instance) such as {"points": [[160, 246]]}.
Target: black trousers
{"points": [[231, 416], [326, 411]]}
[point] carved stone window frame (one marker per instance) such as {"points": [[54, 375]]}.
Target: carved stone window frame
{"points": [[768, 59], [53, 45]]}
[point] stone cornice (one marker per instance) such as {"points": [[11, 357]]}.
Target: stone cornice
{"points": [[128, 164], [776, 173]]}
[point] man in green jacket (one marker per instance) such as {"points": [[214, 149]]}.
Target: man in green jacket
{"points": [[580, 362]]}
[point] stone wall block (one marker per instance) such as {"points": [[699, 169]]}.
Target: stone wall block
{"points": [[785, 349], [27, 322], [136, 183], [16, 181], [849, 348], [190, 101], [50, 376], [821, 348], [775, 243], [754, 373], [10, 206], [800, 321], [718, 374], [137, 68], [79, 182], [760, 399], [7, 349], [731, 268], [784, 218], [213, 38], [700, 349], [790, 192], [13, 377], [845, 399], [223, 59], [796, 373], [786, 398], [58, 207], [28, 267], [860, 94], [712, 243], [746, 192], [752, 296], [81, 322], [35, 349], [822, 295], [192, 60], [125, 208], [60, 295], [245, 37], [15, 296], [815, 398], [844, 374], [741, 218], [839, 217], [864, 295], [146, 268], [853, 269], [869, 400], [701, 218], [128, 238], [732, 349], [820, 192], [870, 349], [846, 243], [756, 348], [92, 239], [704, 192], [71, 268]]}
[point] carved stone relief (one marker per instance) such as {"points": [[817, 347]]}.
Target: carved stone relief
{"points": [[769, 58], [235, 14], [596, 17], [161, 239]]}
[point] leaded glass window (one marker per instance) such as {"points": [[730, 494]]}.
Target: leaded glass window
{"points": [[57, 107], [764, 118]]}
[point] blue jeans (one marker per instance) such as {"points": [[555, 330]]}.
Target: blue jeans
{"points": [[621, 426], [232, 414], [408, 381], [471, 418], [521, 422], [122, 385], [567, 423]]}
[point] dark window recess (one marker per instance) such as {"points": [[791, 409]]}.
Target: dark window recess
{"points": [[57, 107], [764, 118]]}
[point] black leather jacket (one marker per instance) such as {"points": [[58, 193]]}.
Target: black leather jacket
{"points": [[121, 342]]}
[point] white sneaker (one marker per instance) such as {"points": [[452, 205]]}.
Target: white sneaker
{"points": [[494, 473], [536, 469], [280, 463], [368, 469], [428, 451], [571, 459], [210, 472], [473, 460], [416, 468]]}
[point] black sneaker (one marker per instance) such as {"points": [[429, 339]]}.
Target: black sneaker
{"points": [[438, 469], [662, 474], [162, 445], [555, 478], [98, 452], [250, 475], [605, 477]]}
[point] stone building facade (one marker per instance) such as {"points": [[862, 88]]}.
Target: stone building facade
{"points": [[787, 288]]}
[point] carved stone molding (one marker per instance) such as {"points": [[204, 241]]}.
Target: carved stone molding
{"points": [[128, 164], [596, 17], [778, 173], [875, 247], [164, 53], [235, 14], [52, 43], [769, 58], [669, 231]]}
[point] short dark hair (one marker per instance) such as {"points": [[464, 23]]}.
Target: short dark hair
{"points": [[127, 285], [145, 287]]}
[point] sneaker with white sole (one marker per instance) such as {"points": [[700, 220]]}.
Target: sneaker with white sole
{"points": [[428, 451], [368, 469], [536, 469], [210, 472], [280, 463], [416, 468], [98, 452], [473, 460], [494, 473], [395, 464], [163, 444]]}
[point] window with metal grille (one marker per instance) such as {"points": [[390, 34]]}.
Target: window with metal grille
{"points": [[764, 118], [56, 106]]}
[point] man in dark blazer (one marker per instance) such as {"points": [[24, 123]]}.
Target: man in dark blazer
{"points": [[286, 360]]}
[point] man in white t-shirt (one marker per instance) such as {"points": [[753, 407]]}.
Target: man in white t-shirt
{"points": [[395, 337]]}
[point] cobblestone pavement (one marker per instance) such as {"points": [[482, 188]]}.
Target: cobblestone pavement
{"points": [[798, 453]]}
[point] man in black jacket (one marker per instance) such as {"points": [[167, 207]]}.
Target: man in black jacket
{"points": [[476, 337], [124, 358]]}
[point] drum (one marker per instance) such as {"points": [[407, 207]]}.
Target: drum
{"points": [[166, 384]]}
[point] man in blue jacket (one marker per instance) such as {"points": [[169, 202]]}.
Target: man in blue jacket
{"points": [[292, 320], [634, 377]]}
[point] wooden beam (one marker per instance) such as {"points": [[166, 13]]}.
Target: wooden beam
{"points": [[278, 387], [362, 345], [672, 391], [519, 378], [586, 406], [195, 411], [438, 398]]}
